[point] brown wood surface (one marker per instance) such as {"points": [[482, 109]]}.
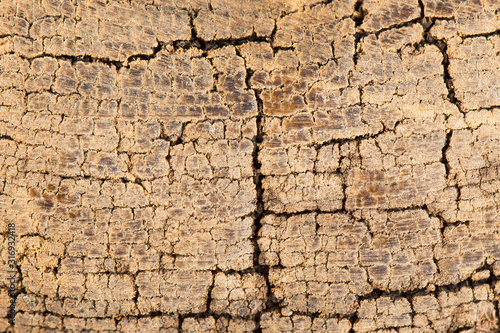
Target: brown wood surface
{"points": [[251, 166]]}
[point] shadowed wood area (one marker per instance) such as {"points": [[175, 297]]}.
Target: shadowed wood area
{"points": [[250, 166]]}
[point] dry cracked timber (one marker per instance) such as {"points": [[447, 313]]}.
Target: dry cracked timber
{"points": [[264, 166]]}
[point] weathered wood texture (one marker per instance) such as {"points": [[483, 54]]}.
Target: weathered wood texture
{"points": [[251, 166]]}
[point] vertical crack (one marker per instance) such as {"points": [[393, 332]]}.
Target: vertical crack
{"points": [[353, 319], [447, 77], [358, 17], [195, 40], [496, 304], [422, 9], [359, 13], [209, 293], [444, 159], [443, 47], [180, 322], [259, 213], [259, 209]]}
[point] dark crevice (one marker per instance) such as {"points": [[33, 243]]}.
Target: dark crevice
{"points": [[215, 80], [360, 33], [486, 34], [6, 137], [353, 319], [156, 50], [397, 26], [204, 315], [496, 303], [403, 209], [435, 291], [174, 139], [276, 49], [259, 206], [357, 138], [139, 182], [209, 295], [194, 34], [180, 322], [112, 63], [86, 58], [487, 108], [444, 159], [359, 13], [193, 42], [240, 272], [302, 212], [58, 314], [422, 9], [441, 44], [197, 42], [447, 77], [272, 302], [459, 193], [358, 17], [320, 3], [179, 139], [427, 24], [344, 189]]}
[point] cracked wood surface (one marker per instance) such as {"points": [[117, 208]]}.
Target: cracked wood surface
{"points": [[264, 166]]}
